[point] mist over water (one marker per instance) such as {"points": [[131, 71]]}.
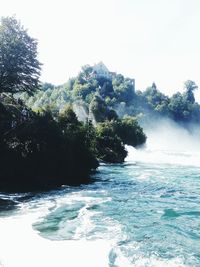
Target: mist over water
{"points": [[168, 135], [169, 143], [143, 213]]}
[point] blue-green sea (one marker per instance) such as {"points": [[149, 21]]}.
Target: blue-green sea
{"points": [[143, 213]]}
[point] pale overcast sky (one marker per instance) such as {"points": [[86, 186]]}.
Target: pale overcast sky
{"points": [[149, 40]]}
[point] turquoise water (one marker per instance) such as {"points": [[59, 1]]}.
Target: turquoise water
{"points": [[140, 213]]}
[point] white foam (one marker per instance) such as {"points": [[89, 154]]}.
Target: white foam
{"points": [[156, 262], [146, 155], [20, 246], [141, 261], [86, 226]]}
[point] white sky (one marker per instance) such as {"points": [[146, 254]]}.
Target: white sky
{"points": [[149, 40]]}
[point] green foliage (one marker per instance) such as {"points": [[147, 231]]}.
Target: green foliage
{"points": [[67, 116], [129, 131], [56, 99], [45, 151], [183, 107], [113, 135], [19, 67], [155, 99], [85, 87], [109, 146], [180, 107], [41, 153], [190, 86], [123, 88], [86, 72], [106, 88], [100, 111], [46, 86]]}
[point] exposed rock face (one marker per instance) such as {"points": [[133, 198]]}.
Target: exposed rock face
{"points": [[81, 110]]}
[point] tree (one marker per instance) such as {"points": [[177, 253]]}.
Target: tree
{"points": [[130, 132], [124, 88], [67, 116], [19, 67], [190, 86], [98, 109], [46, 86], [155, 101], [108, 144]]}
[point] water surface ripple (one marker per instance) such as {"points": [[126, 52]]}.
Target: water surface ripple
{"points": [[148, 213]]}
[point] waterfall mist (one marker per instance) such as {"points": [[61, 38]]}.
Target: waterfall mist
{"points": [[168, 143]]}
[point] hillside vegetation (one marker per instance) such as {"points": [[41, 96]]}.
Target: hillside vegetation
{"points": [[102, 95]]}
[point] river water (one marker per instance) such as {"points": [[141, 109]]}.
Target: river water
{"points": [[143, 213]]}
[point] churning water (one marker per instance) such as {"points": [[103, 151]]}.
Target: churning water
{"points": [[143, 213]]}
